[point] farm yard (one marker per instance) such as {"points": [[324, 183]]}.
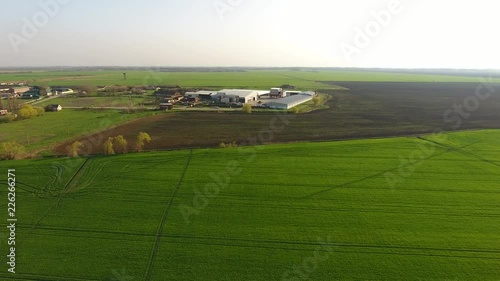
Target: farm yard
{"points": [[320, 211]]}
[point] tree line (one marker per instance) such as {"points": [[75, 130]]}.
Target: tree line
{"points": [[113, 145]]}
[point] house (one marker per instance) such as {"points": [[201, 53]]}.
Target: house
{"points": [[53, 107], [31, 94], [60, 91], [193, 99], [166, 106], [173, 98]]}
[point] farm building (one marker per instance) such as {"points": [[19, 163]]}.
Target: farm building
{"points": [[53, 107], [276, 93], [31, 94], [166, 106], [238, 96], [60, 91], [174, 98], [291, 101], [202, 95], [19, 90]]}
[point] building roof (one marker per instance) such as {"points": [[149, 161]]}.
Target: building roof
{"points": [[291, 99], [241, 93]]}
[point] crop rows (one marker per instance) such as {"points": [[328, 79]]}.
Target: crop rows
{"points": [[289, 204]]}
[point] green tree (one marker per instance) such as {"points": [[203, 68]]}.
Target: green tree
{"points": [[316, 101], [11, 150], [75, 149], [142, 139], [247, 108], [121, 144], [27, 111], [39, 110], [108, 147], [24, 113]]}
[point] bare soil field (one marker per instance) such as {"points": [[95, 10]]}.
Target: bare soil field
{"points": [[368, 109]]}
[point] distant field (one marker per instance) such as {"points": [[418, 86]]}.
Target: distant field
{"points": [[54, 127], [97, 102], [324, 211], [369, 109], [263, 79]]}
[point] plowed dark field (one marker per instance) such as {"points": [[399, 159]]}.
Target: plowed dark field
{"points": [[368, 109]]}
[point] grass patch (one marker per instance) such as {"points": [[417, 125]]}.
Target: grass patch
{"points": [[46, 131]]}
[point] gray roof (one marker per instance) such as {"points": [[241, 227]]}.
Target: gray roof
{"points": [[292, 99]]}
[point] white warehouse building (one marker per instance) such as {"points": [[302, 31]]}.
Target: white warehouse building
{"points": [[238, 96], [291, 101]]}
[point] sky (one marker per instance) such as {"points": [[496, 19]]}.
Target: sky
{"points": [[253, 33]]}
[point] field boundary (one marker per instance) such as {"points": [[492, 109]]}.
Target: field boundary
{"points": [[163, 220]]}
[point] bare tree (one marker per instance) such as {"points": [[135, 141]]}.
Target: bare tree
{"points": [[75, 149], [121, 144], [11, 150], [108, 147]]}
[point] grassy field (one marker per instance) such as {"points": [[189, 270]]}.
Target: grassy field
{"points": [[263, 79], [52, 128], [120, 101], [316, 211]]}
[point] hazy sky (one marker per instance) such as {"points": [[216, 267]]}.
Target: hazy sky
{"points": [[325, 33]]}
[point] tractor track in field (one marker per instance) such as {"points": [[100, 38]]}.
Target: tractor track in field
{"points": [[355, 250], [37, 277], [56, 204], [447, 149], [257, 243], [376, 175], [354, 245], [163, 220], [94, 231], [461, 151]]}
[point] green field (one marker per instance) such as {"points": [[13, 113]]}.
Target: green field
{"points": [[305, 211], [53, 128], [96, 102], [254, 79]]}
